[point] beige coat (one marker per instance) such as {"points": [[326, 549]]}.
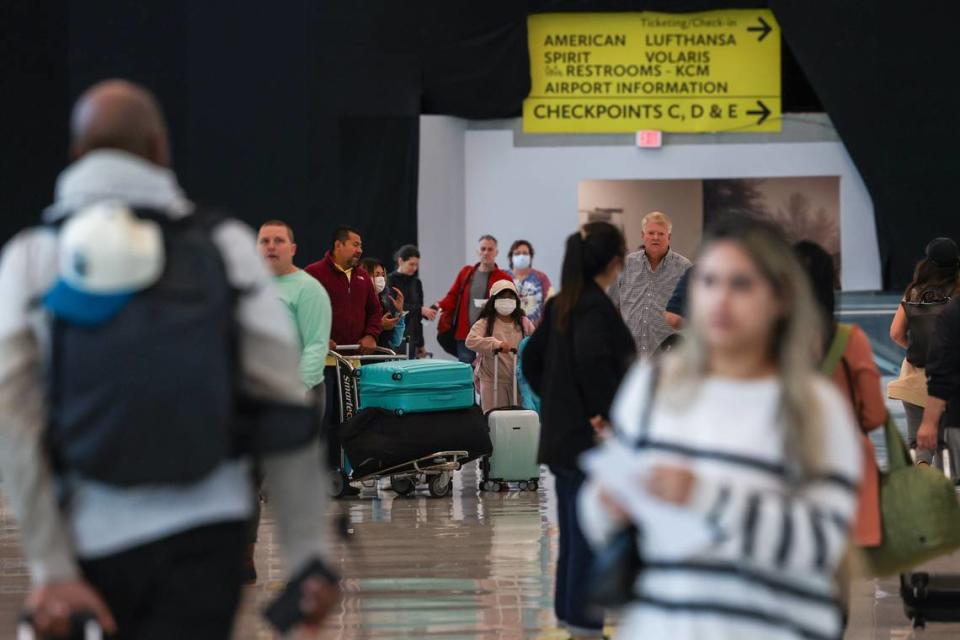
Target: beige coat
{"points": [[478, 341]]}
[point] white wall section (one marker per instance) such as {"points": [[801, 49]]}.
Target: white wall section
{"points": [[477, 181]]}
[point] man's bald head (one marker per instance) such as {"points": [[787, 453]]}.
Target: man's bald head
{"points": [[116, 114]]}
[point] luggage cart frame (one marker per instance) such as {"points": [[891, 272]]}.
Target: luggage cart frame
{"points": [[435, 470]]}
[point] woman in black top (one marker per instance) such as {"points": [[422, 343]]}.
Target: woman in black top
{"points": [[406, 279], [936, 281], [575, 361]]}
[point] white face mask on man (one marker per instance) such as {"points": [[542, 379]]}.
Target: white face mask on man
{"points": [[521, 261], [505, 306], [380, 283]]}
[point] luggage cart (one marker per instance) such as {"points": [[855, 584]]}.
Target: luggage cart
{"points": [[434, 470]]}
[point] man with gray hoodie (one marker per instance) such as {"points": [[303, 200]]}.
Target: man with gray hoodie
{"points": [[156, 559]]}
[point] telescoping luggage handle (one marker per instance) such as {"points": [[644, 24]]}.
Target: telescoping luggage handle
{"points": [[496, 377]]}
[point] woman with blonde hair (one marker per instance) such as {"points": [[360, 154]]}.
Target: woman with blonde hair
{"points": [[751, 444]]}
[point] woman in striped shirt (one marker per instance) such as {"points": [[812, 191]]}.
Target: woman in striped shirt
{"points": [[753, 444]]}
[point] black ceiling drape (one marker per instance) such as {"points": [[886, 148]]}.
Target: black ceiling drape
{"points": [[883, 75], [309, 111]]}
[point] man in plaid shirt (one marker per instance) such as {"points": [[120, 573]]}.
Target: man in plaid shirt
{"points": [[648, 279]]}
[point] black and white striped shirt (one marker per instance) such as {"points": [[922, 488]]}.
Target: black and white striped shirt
{"points": [[770, 572]]}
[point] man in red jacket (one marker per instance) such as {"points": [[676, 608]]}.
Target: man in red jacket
{"points": [[356, 320], [471, 290]]}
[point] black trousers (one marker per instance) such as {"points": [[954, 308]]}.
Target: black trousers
{"points": [[184, 587]]}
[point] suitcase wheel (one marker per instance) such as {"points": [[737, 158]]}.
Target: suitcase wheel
{"points": [[523, 485], [338, 484], [397, 376], [489, 485], [403, 486], [534, 485], [399, 412], [918, 585], [439, 485]]}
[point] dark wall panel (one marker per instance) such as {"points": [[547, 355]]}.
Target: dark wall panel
{"points": [[308, 110], [33, 115], [884, 90]]}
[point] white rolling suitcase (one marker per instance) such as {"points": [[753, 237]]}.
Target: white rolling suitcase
{"points": [[515, 433]]}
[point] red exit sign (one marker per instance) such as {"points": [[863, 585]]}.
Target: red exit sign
{"points": [[649, 139]]}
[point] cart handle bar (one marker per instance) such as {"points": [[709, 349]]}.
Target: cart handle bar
{"points": [[356, 347]]}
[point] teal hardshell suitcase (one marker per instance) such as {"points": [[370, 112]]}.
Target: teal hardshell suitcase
{"points": [[417, 386]]}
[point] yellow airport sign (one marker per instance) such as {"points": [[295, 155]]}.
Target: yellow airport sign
{"points": [[682, 72]]}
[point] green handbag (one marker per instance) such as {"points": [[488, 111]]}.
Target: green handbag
{"points": [[919, 512]]}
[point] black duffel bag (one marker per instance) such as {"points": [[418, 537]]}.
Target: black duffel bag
{"points": [[376, 439]]}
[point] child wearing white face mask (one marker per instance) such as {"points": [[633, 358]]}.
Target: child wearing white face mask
{"points": [[502, 325]]}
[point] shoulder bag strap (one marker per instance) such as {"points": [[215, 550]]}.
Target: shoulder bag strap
{"points": [[837, 349], [455, 317]]}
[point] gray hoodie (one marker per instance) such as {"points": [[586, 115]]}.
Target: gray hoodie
{"points": [[101, 520]]}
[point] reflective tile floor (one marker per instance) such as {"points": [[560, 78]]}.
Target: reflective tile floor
{"points": [[467, 566]]}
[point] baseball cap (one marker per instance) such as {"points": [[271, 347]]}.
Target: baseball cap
{"points": [[943, 252], [106, 255], [503, 285]]}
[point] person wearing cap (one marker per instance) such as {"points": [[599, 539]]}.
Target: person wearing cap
{"points": [[493, 337], [468, 294], [929, 370], [156, 559], [649, 277]]}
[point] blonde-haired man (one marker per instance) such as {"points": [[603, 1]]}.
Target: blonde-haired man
{"points": [[648, 279]]}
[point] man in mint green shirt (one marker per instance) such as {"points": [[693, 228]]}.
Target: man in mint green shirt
{"points": [[308, 304], [304, 297]]}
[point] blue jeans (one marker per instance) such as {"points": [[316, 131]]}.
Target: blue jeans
{"points": [[464, 354], [574, 559]]}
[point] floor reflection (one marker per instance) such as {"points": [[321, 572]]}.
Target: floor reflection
{"points": [[467, 566], [470, 565]]}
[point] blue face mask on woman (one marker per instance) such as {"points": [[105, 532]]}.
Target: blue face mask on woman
{"points": [[521, 261]]}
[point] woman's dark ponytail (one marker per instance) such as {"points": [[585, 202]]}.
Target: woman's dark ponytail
{"points": [[571, 279], [588, 254]]}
